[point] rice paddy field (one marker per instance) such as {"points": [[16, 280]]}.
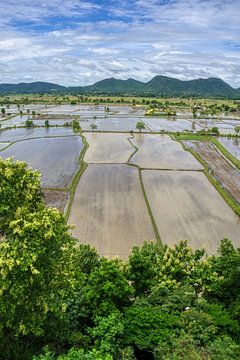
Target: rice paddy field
{"points": [[186, 206], [129, 187], [55, 158], [161, 152], [109, 211], [232, 145], [108, 148]]}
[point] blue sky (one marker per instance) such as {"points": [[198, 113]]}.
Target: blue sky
{"points": [[73, 42]]}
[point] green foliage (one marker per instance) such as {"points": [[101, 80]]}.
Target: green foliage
{"points": [[143, 267], [35, 266], [29, 123], [19, 189], [140, 126], [146, 325], [63, 301]]}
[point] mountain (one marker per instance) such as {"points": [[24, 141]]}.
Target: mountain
{"points": [[30, 88], [158, 86]]}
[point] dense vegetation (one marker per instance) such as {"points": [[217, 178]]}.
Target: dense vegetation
{"points": [[158, 86], [63, 301]]}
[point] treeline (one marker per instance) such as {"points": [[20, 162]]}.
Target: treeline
{"points": [[59, 300]]}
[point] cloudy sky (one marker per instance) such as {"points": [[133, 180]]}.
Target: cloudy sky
{"points": [[73, 42]]}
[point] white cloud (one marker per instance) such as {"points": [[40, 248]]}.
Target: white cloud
{"points": [[80, 42]]}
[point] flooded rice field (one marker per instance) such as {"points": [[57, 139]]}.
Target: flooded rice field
{"points": [[3, 145], [121, 124], [109, 210], [174, 124], [161, 152], [107, 148], [12, 135], [55, 158], [220, 167], [186, 206], [232, 145]]}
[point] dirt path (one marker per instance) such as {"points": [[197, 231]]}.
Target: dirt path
{"points": [[220, 167]]}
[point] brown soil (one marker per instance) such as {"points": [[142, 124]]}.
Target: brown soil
{"points": [[219, 166], [56, 198]]}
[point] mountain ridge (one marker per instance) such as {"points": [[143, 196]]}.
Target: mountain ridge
{"points": [[159, 85]]}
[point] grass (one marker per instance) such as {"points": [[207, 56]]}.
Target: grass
{"points": [[181, 136], [155, 229], [224, 193], [226, 153], [73, 185]]}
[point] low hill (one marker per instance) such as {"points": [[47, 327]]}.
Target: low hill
{"points": [[158, 86], [30, 88]]}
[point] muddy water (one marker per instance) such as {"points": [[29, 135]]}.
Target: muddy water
{"points": [[55, 158], [109, 211], [108, 148], [221, 169], [161, 152], [232, 145], [186, 206]]}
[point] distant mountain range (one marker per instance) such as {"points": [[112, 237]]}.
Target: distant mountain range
{"points": [[158, 86]]}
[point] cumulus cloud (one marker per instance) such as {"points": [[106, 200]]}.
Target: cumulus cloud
{"points": [[75, 42]]}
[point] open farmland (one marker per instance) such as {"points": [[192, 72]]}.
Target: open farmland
{"points": [[186, 206], [3, 145], [232, 145], [174, 124], [161, 152], [108, 148], [121, 124], [56, 198], [109, 210], [14, 134], [55, 158], [16, 120], [220, 167]]}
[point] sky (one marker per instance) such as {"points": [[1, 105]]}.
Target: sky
{"points": [[73, 42]]}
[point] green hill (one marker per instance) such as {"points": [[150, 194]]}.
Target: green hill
{"points": [[158, 86]]}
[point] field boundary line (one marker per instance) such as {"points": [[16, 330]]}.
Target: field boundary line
{"points": [[74, 183], [135, 147], [218, 186], [154, 226], [224, 152]]}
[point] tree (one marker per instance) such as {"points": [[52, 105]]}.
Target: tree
{"points": [[93, 127], [22, 186], [47, 123], [215, 130], [76, 125], [3, 111], [36, 264], [237, 129], [29, 123], [140, 126]]}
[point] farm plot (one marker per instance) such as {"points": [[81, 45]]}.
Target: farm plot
{"points": [[56, 198], [220, 167], [55, 158], [186, 206], [107, 148], [14, 134], [172, 124], [50, 132], [161, 152], [16, 120], [109, 211], [3, 145], [124, 124], [125, 110], [232, 145]]}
